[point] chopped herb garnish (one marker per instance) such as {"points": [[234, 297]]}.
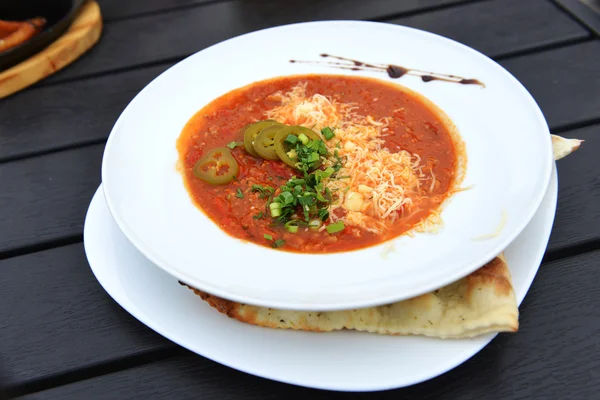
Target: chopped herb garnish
{"points": [[265, 191], [304, 200], [278, 243], [232, 145], [239, 194], [268, 237], [291, 226], [335, 227], [323, 214], [327, 133], [291, 139]]}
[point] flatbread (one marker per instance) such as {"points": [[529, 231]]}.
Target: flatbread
{"points": [[563, 147], [482, 302]]}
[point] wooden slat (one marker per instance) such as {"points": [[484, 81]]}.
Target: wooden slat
{"points": [[56, 317], [500, 26], [553, 356], [285, 12], [46, 198], [290, 10], [180, 33], [117, 9], [175, 34], [578, 212], [67, 115], [564, 81]]}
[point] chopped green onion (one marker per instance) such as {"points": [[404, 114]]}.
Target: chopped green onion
{"points": [[291, 226], [291, 139], [292, 154], [232, 145], [275, 209], [303, 138], [335, 227], [314, 224], [294, 182], [326, 173], [327, 133], [268, 237], [323, 214], [278, 243], [321, 198], [287, 198], [312, 157], [239, 194]]}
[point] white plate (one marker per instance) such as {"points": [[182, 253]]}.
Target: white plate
{"points": [[351, 361], [508, 146]]}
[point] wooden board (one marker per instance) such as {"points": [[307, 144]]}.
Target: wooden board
{"points": [[563, 307], [83, 33]]}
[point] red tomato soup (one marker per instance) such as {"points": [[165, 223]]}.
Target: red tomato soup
{"points": [[412, 124]]}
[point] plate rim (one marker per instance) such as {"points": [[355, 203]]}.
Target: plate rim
{"points": [[222, 291], [129, 306]]}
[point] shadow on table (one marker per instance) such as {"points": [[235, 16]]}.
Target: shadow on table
{"points": [[3, 381]]}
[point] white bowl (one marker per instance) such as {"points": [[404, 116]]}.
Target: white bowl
{"points": [[509, 165]]}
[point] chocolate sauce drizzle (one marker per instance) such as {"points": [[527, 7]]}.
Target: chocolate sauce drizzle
{"points": [[393, 71]]}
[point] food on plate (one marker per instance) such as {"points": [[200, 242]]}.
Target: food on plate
{"points": [[482, 302], [562, 147], [13, 33], [321, 163]]}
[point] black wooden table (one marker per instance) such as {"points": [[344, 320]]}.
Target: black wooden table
{"points": [[62, 336]]}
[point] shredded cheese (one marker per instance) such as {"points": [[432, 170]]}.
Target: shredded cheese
{"points": [[376, 187]]}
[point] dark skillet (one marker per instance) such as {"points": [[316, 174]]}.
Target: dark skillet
{"points": [[58, 14]]}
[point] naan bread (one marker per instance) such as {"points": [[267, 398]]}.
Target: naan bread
{"points": [[482, 302], [563, 147]]}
